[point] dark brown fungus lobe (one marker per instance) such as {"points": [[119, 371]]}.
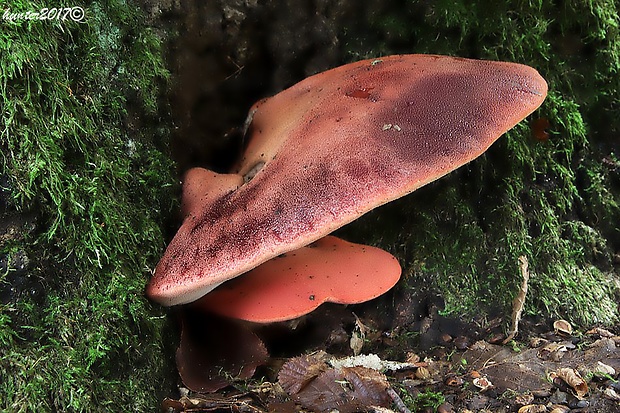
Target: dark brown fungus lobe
{"points": [[205, 359]]}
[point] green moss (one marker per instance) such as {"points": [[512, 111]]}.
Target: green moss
{"points": [[82, 151], [424, 400], [555, 201]]}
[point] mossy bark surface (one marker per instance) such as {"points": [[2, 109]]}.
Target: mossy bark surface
{"points": [[86, 189]]}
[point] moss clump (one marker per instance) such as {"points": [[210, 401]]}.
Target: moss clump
{"points": [[554, 201], [427, 400], [86, 184]]}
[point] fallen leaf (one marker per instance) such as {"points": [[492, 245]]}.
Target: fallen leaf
{"points": [[533, 408], [299, 371], [519, 300], [317, 387], [573, 379]]}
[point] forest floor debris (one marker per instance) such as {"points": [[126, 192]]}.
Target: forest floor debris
{"points": [[444, 365]]}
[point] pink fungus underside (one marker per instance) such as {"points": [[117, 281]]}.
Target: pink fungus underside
{"points": [[289, 286], [337, 145]]}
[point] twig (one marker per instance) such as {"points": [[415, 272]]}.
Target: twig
{"points": [[519, 301], [398, 402]]}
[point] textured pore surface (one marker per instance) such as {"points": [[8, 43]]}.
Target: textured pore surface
{"points": [[337, 145], [202, 188]]}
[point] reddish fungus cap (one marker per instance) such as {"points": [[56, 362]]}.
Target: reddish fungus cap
{"points": [[203, 188], [294, 284], [336, 145]]}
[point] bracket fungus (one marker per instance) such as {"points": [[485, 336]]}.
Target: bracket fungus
{"points": [[203, 188], [336, 145], [296, 283]]}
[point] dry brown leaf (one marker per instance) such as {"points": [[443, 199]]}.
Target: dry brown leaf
{"points": [[506, 369], [554, 351], [453, 381], [573, 379], [611, 394], [482, 383], [412, 358], [524, 399], [562, 328], [317, 387], [559, 408], [533, 408], [299, 371], [358, 336], [422, 373], [598, 369], [526, 371], [210, 403], [601, 332]]}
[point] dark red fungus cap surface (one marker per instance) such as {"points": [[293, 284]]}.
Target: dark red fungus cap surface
{"points": [[336, 145]]}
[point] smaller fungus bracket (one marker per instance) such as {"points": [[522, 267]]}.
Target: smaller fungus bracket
{"points": [[296, 283]]}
